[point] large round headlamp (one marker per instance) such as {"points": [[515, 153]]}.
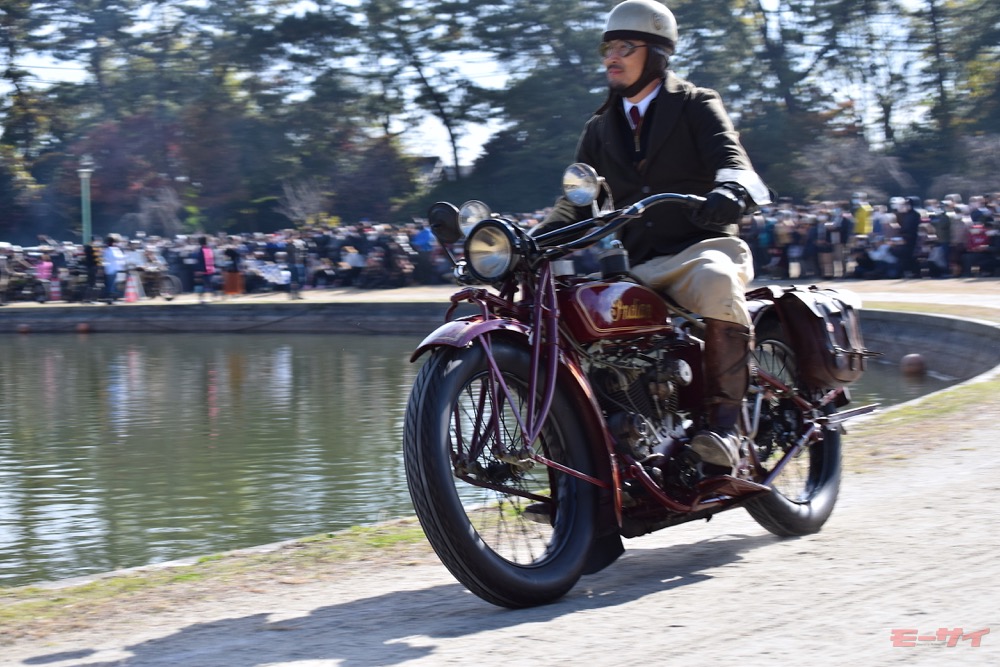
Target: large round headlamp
{"points": [[491, 250]]}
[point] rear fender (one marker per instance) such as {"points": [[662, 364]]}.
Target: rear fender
{"points": [[760, 303], [761, 311]]}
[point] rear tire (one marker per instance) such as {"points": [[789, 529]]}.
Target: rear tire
{"points": [[474, 507], [170, 286], [805, 492]]}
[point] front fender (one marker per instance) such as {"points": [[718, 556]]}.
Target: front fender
{"points": [[461, 332]]}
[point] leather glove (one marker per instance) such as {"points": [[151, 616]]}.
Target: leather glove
{"points": [[723, 206]]}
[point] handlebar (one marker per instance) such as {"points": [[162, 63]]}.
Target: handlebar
{"points": [[609, 222]]}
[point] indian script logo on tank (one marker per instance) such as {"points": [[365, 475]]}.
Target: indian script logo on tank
{"points": [[635, 311]]}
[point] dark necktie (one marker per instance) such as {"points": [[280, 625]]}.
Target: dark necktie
{"points": [[633, 113]]}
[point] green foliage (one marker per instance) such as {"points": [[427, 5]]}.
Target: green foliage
{"points": [[521, 167], [228, 102], [18, 192], [377, 184], [977, 53]]}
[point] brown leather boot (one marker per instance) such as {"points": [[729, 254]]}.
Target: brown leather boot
{"points": [[727, 348]]}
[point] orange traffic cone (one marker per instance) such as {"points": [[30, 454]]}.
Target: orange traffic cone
{"points": [[138, 285], [131, 293]]}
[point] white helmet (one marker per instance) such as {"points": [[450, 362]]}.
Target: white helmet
{"points": [[647, 20]]}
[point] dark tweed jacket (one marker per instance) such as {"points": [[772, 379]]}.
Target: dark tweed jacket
{"points": [[687, 137]]}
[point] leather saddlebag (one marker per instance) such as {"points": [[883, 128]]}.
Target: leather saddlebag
{"points": [[825, 330]]}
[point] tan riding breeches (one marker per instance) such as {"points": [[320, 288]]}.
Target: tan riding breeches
{"points": [[709, 278]]}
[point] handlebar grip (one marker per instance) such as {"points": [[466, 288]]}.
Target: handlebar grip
{"points": [[636, 209]]}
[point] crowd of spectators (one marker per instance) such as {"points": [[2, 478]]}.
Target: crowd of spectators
{"points": [[364, 256], [904, 238]]}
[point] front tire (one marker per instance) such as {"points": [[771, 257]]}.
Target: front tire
{"points": [[479, 512], [805, 492]]}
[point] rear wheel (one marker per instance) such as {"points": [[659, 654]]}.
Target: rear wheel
{"points": [[805, 492], [514, 532], [170, 286]]}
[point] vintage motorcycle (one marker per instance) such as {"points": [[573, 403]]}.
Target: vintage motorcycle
{"points": [[555, 418], [158, 282], [25, 286]]}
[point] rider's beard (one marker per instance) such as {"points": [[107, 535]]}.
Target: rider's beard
{"points": [[618, 87], [630, 91], [652, 71]]}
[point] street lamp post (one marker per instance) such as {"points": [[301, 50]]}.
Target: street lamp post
{"points": [[85, 170]]}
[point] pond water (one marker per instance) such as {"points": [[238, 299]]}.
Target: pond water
{"points": [[118, 451]]}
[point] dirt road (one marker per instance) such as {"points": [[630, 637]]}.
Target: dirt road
{"points": [[910, 551]]}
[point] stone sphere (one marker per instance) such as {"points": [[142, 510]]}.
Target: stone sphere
{"points": [[913, 364]]}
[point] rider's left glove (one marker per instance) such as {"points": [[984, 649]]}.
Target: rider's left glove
{"points": [[724, 206]]}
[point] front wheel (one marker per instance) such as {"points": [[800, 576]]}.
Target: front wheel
{"points": [[805, 492], [513, 531]]}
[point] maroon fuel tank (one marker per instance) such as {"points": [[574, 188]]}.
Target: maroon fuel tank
{"points": [[599, 311]]}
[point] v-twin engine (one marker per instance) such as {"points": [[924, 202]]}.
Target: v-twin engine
{"points": [[646, 389]]}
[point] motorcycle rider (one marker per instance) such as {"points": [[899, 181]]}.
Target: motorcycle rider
{"points": [[659, 133], [4, 272], [113, 261]]}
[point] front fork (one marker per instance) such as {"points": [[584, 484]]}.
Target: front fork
{"points": [[545, 353]]}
